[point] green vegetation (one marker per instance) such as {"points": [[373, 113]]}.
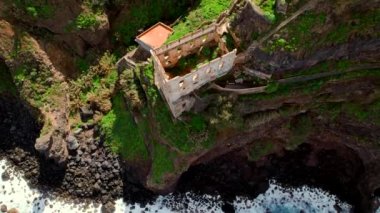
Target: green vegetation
{"points": [[143, 14], [363, 113], [82, 65], [87, 20], [361, 24], [35, 8], [300, 130], [282, 44], [369, 113], [35, 85], [272, 87], [279, 90], [132, 89], [260, 149], [96, 84], [229, 41], [162, 164], [300, 32], [326, 66], [268, 8], [193, 61], [185, 135], [122, 134], [204, 13]]}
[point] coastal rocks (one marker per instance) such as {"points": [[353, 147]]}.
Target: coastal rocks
{"points": [[43, 143], [53, 146], [13, 210], [86, 114], [109, 207], [92, 171], [3, 208], [72, 142], [5, 176]]}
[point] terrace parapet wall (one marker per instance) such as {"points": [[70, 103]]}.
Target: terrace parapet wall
{"points": [[183, 85], [171, 53]]}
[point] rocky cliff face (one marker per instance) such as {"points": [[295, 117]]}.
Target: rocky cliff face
{"points": [[324, 133], [58, 19]]}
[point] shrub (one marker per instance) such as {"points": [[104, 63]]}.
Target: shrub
{"points": [[272, 87], [86, 20], [268, 8], [36, 8]]}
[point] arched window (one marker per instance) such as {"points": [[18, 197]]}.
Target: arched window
{"points": [[221, 65], [181, 85], [195, 78]]}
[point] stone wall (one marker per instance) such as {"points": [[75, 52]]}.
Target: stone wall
{"points": [[176, 90], [170, 54], [125, 63]]}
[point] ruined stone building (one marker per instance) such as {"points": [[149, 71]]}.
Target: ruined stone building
{"points": [[177, 88]]}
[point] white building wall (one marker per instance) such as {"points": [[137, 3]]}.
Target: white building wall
{"points": [[177, 88], [177, 91]]}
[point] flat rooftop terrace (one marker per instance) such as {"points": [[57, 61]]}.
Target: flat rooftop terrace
{"points": [[155, 36]]}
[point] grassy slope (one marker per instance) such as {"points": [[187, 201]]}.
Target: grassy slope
{"points": [[122, 134], [205, 12], [180, 134], [301, 34], [162, 163], [268, 8]]}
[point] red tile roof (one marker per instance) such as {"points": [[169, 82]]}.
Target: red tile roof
{"points": [[156, 35]]}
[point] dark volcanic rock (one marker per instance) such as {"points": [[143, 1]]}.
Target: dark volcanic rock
{"points": [[86, 113], [5, 176], [3, 208], [72, 142], [228, 208], [109, 207]]}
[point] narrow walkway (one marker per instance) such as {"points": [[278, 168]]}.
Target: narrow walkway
{"points": [[248, 91], [298, 79]]}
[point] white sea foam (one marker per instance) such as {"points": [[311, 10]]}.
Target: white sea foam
{"points": [[280, 199], [15, 193]]}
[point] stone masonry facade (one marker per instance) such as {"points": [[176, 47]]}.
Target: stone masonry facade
{"points": [[178, 91]]}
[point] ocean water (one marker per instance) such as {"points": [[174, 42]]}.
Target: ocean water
{"points": [[15, 193]]}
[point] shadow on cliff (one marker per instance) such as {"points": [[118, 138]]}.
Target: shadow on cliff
{"points": [[336, 171], [19, 129]]}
